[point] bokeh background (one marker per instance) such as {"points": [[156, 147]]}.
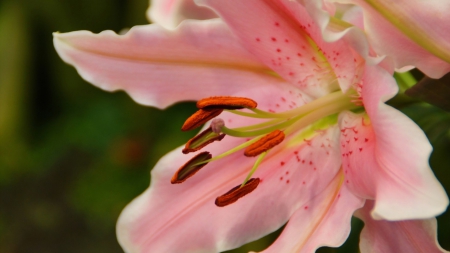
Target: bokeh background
{"points": [[72, 156]]}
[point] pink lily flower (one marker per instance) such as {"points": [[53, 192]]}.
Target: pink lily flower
{"points": [[409, 33], [330, 161]]}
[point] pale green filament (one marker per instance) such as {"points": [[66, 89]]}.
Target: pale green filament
{"points": [[272, 128], [332, 98], [265, 115], [319, 114], [255, 166], [260, 125], [305, 115]]}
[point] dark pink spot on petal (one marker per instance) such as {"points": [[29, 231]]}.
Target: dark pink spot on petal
{"points": [[278, 50], [274, 39], [257, 39], [282, 163]]}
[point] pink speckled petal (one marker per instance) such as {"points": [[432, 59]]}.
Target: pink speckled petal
{"points": [[385, 156], [183, 218], [170, 13], [158, 67], [283, 36], [412, 236], [323, 221]]}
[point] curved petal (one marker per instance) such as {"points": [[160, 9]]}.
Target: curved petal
{"points": [[290, 43], [412, 236], [323, 221], [411, 32], [158, 67], [170, 13], [386, 157], [351, 31], [183, 218]]}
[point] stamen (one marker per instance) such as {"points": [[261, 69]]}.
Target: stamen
{"points": [[237, 192], [201, 140], [217, 124], [190, 168], [265, 143], [224, 102], [199, 118]]}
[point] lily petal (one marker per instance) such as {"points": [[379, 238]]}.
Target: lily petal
{"points": [[290, 43], [158, 67], [386, 158], [354, 35], [170, 13], [409, 32], [414, 236], [291, 176], [323, 221]]}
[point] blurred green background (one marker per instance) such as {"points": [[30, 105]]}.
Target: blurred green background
{"points": [[72, 156]]}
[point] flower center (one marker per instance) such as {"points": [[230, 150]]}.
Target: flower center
{"points": [[273, 130]]}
